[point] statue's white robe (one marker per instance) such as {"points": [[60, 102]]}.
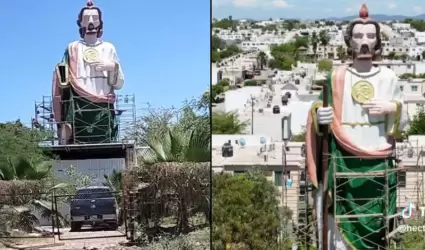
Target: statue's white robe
{"points": [[95, 83]]}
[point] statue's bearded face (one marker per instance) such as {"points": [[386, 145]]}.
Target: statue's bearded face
{"points": [[364, 40], [90, 21]]}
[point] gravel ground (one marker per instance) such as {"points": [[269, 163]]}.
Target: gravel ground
{"points": [[197, 240], [89, 239]]}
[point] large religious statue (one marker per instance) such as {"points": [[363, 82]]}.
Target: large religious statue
{"points": [[84, 83], [365, 111]]}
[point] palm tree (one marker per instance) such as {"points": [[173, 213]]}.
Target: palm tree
{"points": [[324, 39], [20, 168], [179, 146], [314, 42], [115, 182], [262, 59]]}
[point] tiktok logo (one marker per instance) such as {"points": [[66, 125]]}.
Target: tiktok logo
{"points": [[408, 211]]}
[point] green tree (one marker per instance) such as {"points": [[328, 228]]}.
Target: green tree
{"points": [[301, 41], [289, 25], [404, 56], [324, 39], [407, 76], [341, 52], [288, 63], [215, 57], [227, 123], [216, 90], [154, 121], [417, 24], [285, 55], [181, 142], [226, 23], [217, 43], [300, 137], [324, 65], [251, 83], [274, 64], [245, 211], [175, 134], [20, 168], [220, 51], [262, 59], [417, 125], [423, 54], [219, 88], [314, 42], [115, 182], [178, 146], [195, 115], [17, 140]]}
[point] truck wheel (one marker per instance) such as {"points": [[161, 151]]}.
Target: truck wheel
{"points": [[76, 226]]}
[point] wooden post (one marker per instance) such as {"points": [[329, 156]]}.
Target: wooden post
{"points": [[324, 140]]}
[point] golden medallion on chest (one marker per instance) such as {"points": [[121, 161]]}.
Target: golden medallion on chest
{"points": [[91, 55], [362, 91]]}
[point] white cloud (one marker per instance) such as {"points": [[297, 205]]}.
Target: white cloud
{"points": [[348, 9], [392, 6], [245, 3], [217, 3], [417, 9], [280, 4], [253, 3]]}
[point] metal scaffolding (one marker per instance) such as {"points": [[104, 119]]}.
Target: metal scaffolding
{"points": [[409, 170], [121, 113], [340, 179]]}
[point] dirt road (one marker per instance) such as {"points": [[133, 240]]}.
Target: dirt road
{"points": [[88, 239]]}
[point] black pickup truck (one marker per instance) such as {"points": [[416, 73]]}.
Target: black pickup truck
{"points": [[95, 206]]}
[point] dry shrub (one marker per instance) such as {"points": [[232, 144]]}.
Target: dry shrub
{"points": [[18, 193], [169, 189]]}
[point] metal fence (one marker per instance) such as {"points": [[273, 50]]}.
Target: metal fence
{"points": [[29, 218]]}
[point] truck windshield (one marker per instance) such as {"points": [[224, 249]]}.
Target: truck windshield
{"points": [[94, 193]]}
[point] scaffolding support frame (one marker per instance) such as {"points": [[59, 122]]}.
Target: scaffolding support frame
{"points": [[349, 176], [124, 113]]}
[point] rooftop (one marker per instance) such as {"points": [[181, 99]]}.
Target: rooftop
{"points": [[270, 153]]}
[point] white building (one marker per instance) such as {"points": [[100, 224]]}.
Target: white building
{"points": [[279, 161]]}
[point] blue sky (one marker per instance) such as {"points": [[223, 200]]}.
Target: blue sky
{"points": [[309, 9], [164, 49]]}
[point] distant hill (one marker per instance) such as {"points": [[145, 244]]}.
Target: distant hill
{"points": [[378, 17]]}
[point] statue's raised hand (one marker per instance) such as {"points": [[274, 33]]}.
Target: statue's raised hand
{"points": [[325, 115], [377, 107], [104, 66]]}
